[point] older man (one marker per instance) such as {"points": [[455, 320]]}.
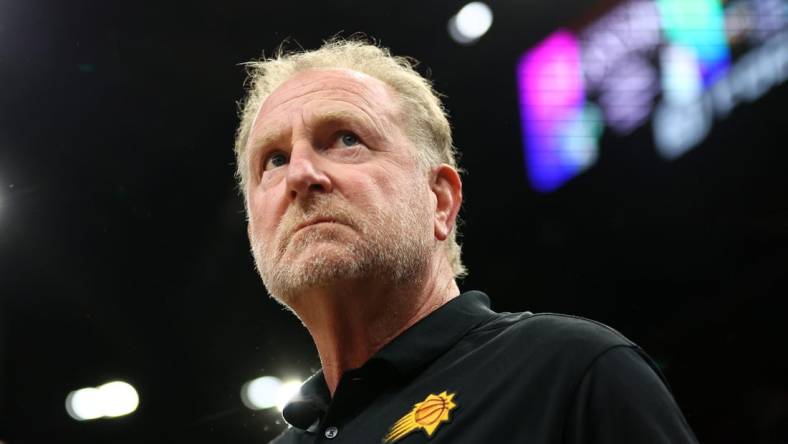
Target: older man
{"points": [[348, 171]]}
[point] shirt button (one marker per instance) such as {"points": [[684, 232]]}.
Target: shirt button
{"points": [[331, 432]]}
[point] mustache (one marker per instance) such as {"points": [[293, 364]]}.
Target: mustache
{"points": [[317, 207]]}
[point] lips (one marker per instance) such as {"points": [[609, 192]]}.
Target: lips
{"points": [[315, 221]]}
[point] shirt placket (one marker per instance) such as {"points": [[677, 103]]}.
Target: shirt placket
{"points": [[355, 391]]}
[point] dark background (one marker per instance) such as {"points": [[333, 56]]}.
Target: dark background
{"points": [[123, 252]]}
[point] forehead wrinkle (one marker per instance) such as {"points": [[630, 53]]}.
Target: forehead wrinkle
{"points": [[337, 93], [315, 80], [357, 114], [321, 115]]}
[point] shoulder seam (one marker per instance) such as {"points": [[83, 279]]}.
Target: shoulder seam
{"points": [[581, 318], [527, 315], [485, 324]]}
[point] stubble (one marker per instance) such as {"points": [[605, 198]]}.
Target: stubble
{"points": [[391, 244]]}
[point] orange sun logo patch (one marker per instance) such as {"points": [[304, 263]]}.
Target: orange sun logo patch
{"points": [[426, 415]]}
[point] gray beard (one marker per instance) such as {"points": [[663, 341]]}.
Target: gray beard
{"points": [[391, 247]]}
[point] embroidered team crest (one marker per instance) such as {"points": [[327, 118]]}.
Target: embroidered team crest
{"points": [[426, 415]]}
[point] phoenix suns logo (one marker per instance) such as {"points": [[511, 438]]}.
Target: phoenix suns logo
{"points": [[426, 415]]}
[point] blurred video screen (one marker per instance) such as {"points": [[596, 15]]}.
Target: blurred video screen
{"points": [[677, 66]]}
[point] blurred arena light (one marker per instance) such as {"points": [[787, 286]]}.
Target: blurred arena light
{"points": [[260, 393], [286, 392], [119, 399], [110, 400], [470, 23], [84, 404], [267, 392]]}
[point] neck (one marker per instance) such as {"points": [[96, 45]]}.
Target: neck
{"points": [[350, 321]]}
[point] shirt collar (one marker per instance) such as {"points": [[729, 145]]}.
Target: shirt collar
{"points": [[408, 353]]}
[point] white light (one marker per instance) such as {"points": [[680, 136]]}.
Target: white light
{"points": [[286, 392], [110, 400], [261, 393], [118, 398], [681, 78], [472, 22], [679, 127], [84, 404], [269, 391], [474, 19]]}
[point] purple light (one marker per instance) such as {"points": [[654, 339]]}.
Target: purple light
{"points": [[552, 99], [550, 75]]}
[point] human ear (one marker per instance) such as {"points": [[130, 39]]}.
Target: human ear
{"points": [[446, 185]]}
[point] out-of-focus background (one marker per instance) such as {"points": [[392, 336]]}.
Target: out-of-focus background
{"points": [[626, 162]]}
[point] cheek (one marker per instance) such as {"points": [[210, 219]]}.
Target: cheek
{"points": [[384, 183], [369, 193], [263, 216]]}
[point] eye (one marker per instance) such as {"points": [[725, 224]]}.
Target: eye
{"points": [[275, 160], [349, 139]]}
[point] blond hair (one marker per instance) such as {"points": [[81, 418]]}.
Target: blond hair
{"points": [[427, 124]]}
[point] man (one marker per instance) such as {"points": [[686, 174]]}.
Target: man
{"points": [[350, 182]]}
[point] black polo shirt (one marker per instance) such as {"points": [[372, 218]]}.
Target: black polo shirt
{"points": [[465, 374]]}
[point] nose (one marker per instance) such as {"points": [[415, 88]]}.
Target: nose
{"points": [[305, 173]]}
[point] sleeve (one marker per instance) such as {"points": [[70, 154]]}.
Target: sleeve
{"points": [[623, 399]]}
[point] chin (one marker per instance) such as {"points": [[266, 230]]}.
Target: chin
{"points": [[322, 266]]}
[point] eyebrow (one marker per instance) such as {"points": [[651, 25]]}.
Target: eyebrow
{"points": [[264, 140], [365, 124], [331, 117]]}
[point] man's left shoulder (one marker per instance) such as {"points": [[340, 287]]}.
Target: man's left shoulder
{"points": [[560, 335], [571, 330], [556, 327]]}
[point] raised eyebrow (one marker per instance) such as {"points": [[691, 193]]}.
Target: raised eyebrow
{"points": [[324, 117], [263, 141], [329, 117], [339, 116]]}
